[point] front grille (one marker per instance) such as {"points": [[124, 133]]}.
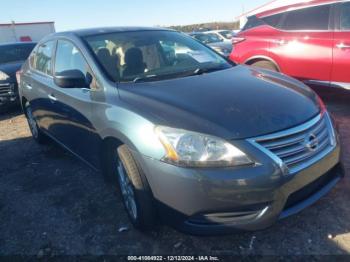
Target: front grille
{"points": [[299, 146], [6, 89]]}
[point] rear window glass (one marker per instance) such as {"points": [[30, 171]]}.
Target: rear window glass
{"points": [[14, 53], [252, 22], [312, 18], [273, 20], [345, 16]]}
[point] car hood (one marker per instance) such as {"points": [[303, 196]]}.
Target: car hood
{"points": [[11, 68], [236, 103]]}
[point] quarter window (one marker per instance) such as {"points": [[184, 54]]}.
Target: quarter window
{"points": [[345, 17], [43, 58], [312, 18]]}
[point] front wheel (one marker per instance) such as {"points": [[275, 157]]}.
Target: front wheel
{"points": [[37, 134], [135, 191]]}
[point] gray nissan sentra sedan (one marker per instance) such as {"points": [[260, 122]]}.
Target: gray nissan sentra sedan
{"points": [[207, 145]]}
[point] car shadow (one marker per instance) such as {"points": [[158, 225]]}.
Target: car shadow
{"points": [[7, 112], [333, 95]]}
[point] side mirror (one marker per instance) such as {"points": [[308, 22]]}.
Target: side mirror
{"points": [[71, 79]]}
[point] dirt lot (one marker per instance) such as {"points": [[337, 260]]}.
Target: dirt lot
{"points": [[50, 203]]}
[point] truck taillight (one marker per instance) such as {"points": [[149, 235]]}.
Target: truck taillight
{"points": [[236, 40]]}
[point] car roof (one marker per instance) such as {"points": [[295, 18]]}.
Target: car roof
{"points": [[296, 6], [106, 30], [200, 33], [197, 33], [217, 31], [18, 43]]}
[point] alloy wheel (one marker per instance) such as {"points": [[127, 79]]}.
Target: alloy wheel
{"points": [[127, 191]]}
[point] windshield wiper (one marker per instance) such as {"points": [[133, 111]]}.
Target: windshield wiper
{"points": [[144, 78], [197, 71], [200, 71]]}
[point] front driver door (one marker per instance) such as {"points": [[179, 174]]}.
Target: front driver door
{"points": [[304, 45], [73, 127]]}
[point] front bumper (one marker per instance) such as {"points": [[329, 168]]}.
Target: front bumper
{"points": [[8, 93], [212, 201]]}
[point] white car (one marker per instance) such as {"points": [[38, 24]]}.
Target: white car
{"points": [[224, 35]]}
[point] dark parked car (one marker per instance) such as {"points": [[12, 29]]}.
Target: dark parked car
{"points": [[189, 136], [12, 56]]}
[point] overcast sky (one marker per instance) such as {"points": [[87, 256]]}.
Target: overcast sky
{"points": [[73, 14]]}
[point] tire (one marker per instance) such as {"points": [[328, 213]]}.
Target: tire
{"points": [[134, 184], [37, 134], [265, 65]]}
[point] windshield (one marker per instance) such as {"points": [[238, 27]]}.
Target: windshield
{"points": [[226, 34], [207, 38], [14, 53], [153, 55]]}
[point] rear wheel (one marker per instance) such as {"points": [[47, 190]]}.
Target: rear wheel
{"points": [[265, 65], [37, 134], [135, 191]]}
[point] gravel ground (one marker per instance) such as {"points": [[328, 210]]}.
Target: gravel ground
{"points": [[52, 204]]}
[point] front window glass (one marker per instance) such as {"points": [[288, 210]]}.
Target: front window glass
{"points": [[153, 55], [43, 58], [68, 57], [14, 53], [345, 17]]}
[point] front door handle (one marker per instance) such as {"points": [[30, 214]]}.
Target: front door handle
{"points": [[343, 46], [29, 87], [52, 98]]}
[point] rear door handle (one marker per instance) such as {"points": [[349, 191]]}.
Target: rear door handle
{"points": [[343, 46], [52, 98]]}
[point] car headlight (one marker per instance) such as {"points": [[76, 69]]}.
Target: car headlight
{"points": [[3, 76], [191, 149]]}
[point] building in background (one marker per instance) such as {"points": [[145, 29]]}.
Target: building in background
{"points": [[25, 32], [268, 6]]}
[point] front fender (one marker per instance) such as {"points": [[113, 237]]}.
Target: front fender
{"points": [[133, 130]]}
